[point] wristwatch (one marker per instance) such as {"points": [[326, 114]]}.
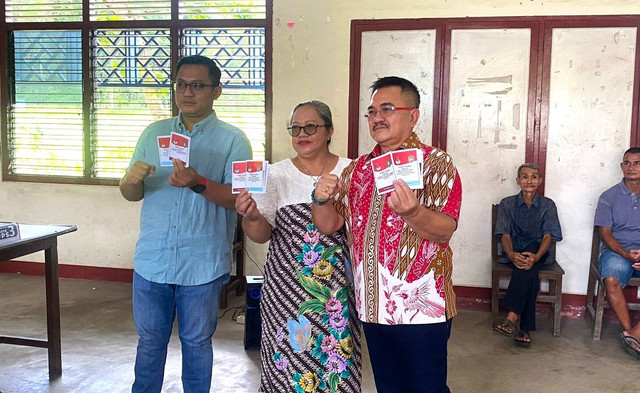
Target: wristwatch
{"points": [[198, 188]]}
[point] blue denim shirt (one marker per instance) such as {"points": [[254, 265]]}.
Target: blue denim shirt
{"points": [[184, 238], [527, 223], [619, 209]]}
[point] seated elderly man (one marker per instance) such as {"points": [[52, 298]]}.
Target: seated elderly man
{"points": [[618, 221], [527, 224]]}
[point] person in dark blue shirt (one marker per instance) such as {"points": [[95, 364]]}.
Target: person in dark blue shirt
{"points": [[526, 225]]}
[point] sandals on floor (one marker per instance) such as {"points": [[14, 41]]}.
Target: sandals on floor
{"points": [[521, 338], [506, 328], [631, 345]]}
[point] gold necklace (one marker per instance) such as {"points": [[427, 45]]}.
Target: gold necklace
{"points": [[315, 178]]}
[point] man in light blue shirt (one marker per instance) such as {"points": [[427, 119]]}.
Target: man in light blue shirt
{"points": [[618, 222], [183, 255]]}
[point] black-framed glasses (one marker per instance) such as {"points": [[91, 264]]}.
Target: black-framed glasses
{"points": [[196, 87], [309, 129], [385, 111]]}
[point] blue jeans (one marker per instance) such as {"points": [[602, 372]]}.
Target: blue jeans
{"points": [[614, 265], [154, 310]]}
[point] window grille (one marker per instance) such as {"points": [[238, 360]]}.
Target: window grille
{"points": [[132, 88], [116, 10], [26, 11], [240, 54], [81, 91], [45, 112], [222, 9]]}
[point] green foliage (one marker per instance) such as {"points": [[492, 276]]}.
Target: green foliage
{"points": [[316, 289], [311, 305]]}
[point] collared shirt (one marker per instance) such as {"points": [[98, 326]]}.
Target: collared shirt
{"points": [[400, 278], [184, 238], [526, 224], [619, 209]]}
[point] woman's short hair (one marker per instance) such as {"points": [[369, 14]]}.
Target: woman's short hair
{"points": [[323, 111]]}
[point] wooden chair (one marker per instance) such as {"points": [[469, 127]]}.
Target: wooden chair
{"points": [[596, 290], [238, 282], [553, 273]]}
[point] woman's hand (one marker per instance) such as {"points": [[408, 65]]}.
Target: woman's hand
{"points": [[246, 206], [326, 187]]}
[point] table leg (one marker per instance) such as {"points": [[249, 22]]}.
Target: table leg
{"points": [[53, 310]]}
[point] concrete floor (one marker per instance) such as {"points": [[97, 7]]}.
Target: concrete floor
{"points": [[99, 340]]}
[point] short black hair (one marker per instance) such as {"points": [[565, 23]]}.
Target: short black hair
{"points": [[214, 71], [633, 150], [406, 86]]}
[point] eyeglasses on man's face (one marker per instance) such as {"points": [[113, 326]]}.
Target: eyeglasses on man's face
{"points": [[309, 129], [385, 111], [195, 87]]}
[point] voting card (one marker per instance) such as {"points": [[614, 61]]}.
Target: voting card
{"points": [[407, 166], [383, 173], [251, 175], [257, 176], [180, 147], [238, 176], [163, 150]]}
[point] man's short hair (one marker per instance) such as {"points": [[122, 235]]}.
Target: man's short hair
{"points": [[530, 166], [406, 86], [214, 71], [633, 150]]}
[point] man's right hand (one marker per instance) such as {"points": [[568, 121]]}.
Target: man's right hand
{"points": [[138, 172], [520, 261], [633, 255]]}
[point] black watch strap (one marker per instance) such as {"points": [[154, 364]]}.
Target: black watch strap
{"points": [[198, 188]]}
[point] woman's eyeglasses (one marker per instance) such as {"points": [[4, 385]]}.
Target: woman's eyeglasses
{"points": [[309, 129]]}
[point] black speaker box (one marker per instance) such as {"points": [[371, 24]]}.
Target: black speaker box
{"points": [[252, 320]]}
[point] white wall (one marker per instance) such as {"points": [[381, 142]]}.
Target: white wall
{"points": [[310, 60]]}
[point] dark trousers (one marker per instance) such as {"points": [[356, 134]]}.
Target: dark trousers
{"points": [[523, 290], [409, 358]]}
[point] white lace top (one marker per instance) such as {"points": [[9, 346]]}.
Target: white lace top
{"points": [[286, 185]]}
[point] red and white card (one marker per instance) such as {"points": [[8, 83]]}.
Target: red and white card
{"points": [[400, 164], [163, 150], [180, 147], [251, 175]]}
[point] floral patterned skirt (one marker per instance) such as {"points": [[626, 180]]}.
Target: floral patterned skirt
{"points": [[310, 330]]}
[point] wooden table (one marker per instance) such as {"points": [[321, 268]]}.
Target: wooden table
{"points": [[36, 238]]}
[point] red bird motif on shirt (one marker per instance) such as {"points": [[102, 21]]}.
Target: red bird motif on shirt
{"points": [[417, 299]]}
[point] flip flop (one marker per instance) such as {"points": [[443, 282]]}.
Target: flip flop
{"points": [[502, 328], [629, 343], [520, 339]]}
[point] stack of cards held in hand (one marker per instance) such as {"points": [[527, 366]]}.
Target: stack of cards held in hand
{"points": [[399, 164], [174, 146], [251, 175]]}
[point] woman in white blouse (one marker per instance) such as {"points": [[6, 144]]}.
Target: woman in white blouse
{"points": [[310, 333]]}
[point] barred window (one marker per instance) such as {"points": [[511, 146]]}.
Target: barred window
{"points": [[77, 104], [132, 88], [240, 54], [45, 112]]}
